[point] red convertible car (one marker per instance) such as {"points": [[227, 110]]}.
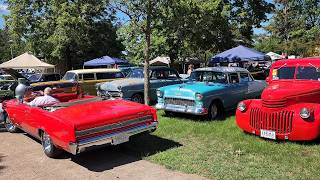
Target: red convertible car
{"points": [[79, 122], [289, 108]]}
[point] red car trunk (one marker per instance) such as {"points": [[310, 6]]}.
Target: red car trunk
{"points": [[86, 116]]}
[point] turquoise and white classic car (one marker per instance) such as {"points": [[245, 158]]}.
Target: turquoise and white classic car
{"points": [[210, 91]]}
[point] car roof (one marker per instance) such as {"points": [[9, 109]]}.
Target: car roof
{"points": [[300, 61], [223, 69], [159, 68], [99, 70]]}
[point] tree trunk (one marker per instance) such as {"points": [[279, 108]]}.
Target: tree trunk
{"points": [[147, 56]]}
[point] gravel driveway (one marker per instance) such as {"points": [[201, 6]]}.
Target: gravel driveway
{"points": [[21, 157]]}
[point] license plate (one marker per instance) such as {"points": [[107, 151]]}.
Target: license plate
{"points": [[120, 139], [267, 134]]}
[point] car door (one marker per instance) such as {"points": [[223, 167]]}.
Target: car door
{"points": [[237, 89], [245, 80]]}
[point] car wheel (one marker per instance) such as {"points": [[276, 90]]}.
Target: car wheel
{"points": [[137, 98], [10, 126], [48, 147], [213, 111]]}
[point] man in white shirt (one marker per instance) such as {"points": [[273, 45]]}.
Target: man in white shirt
{"points": [[46, 99]]}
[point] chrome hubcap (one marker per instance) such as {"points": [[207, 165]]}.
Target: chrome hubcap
{"points": [[46, 142], [214, 111], [9, 124]]}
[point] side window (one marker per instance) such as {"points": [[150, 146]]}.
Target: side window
{"points": [[233, 78], [51, 77], [245, 77], [89, 76], [109, 75]]}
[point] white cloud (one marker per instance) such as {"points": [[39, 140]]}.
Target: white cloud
{"points": [[3, 8]]}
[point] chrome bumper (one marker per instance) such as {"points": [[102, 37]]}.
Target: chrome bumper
{"points": [[182, 109], [76, 148]]}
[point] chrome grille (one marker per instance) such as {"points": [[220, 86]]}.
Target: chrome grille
{"points": [[109, 94], [180, 102], [280, 122], [114, 126], [274, 104]]}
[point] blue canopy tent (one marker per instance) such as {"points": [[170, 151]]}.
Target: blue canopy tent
{"points": [[239, 54], [104, 61]]}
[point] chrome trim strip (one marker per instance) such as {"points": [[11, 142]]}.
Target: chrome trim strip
{"points": [[114, 126], [81, 146]]}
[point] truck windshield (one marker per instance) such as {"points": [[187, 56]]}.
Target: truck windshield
{"points": [[283, 73], [308, 73], [208, 76]]}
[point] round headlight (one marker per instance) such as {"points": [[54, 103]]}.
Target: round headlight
{"points": [[304, 113], [199, 96], [242, 106]]}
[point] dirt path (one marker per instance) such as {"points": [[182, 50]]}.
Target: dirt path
{"points": [[21, 157]]}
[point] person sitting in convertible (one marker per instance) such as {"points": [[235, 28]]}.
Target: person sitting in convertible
{"points": [[46, 99]]}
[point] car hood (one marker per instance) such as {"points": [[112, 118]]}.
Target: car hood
{"points": [[123, 83], [95, 114], [287, 90], [14, 73], [188, 90]]}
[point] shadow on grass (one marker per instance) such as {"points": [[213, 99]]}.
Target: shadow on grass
{"points": [[204, 118], [109, 157]]}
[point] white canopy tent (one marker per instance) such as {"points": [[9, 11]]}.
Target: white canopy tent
{"points": [[160, 61], [274, 56], [26, 61]]}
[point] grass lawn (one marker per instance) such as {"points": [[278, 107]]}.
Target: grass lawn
{"points": [[219, 149]]}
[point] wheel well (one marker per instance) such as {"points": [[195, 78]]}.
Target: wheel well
{"points": [[40, 132], [219, 104]]}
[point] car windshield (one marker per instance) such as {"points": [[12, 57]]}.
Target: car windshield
{"points": [[208, 76], [283, 73], [35, 77], [69, 76], [136, 73], [308, 73]]}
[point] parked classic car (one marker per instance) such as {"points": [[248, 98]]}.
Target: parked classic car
{"points": [[87, 78], [79, 122], [132, 87], [210, 91], [290, 106], [44, 77], [8, 83]]}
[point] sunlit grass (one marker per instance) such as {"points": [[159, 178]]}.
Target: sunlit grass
{"points": [[219, 149]]}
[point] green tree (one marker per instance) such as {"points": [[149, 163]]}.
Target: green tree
{"points": [[296, 25], [65, 32], [198, 28], [5, 53], [142, 15]]}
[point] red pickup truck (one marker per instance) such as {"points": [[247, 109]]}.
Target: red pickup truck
{"points": [[289, 108], [79, 122]]}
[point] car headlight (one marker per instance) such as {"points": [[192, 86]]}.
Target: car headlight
{"points": [[159, 93], [304, 113], [199, 96], [242, 107]]}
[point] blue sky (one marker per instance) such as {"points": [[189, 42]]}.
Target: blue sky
{"points": [[4, 11]]}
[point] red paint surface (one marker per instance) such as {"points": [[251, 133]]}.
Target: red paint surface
{"points": [[283, 96]]}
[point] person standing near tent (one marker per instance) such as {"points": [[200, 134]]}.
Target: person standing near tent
{"points": [[190, 69]]}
